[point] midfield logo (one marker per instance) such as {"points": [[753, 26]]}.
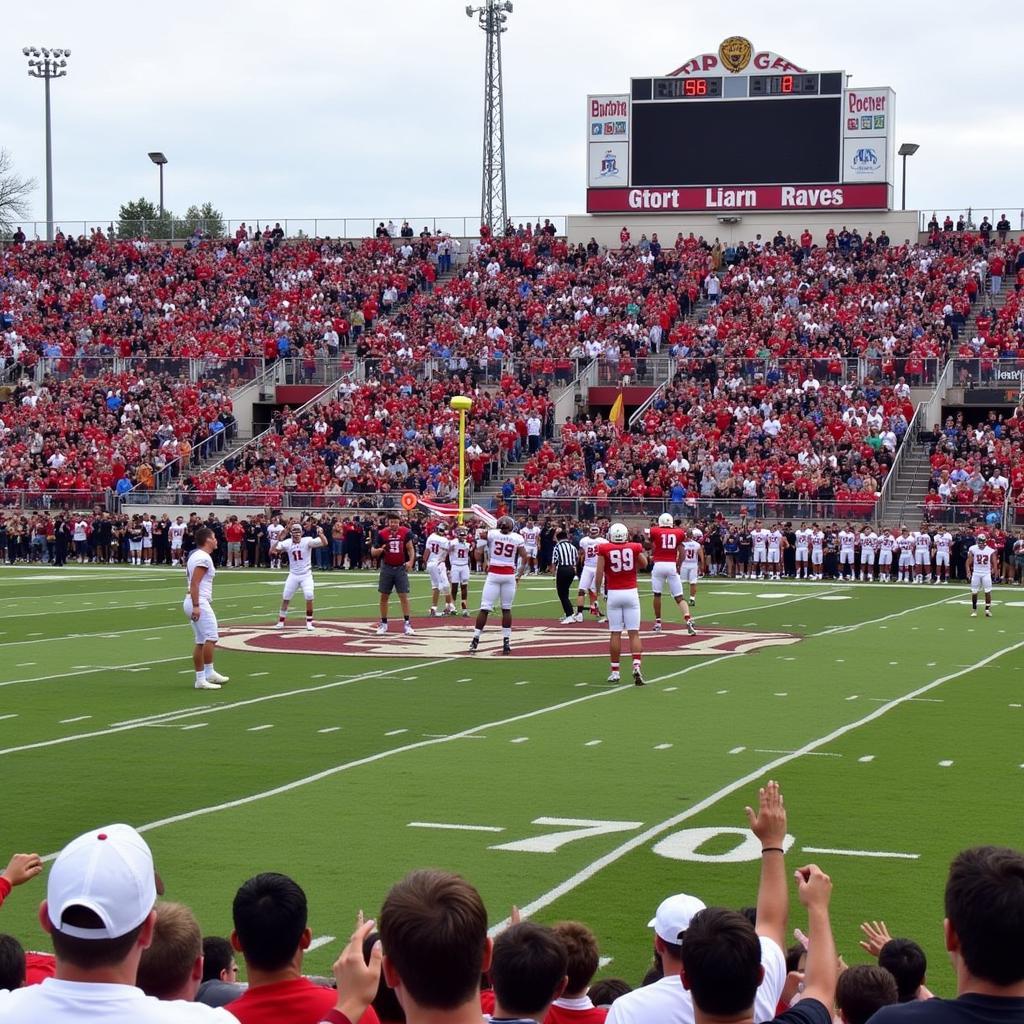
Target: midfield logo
{"points": [[445, 638]]}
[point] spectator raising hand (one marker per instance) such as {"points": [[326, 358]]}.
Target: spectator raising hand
{"points": [[21, 868]]}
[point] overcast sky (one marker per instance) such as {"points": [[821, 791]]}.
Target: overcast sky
{"points": [[349, 108]]}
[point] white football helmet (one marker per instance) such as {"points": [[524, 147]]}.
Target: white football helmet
{"points": [[696, 534], [617, 533], [665, 519], [441, 528]]}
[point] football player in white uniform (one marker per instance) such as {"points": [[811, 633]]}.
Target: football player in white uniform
{"points": [[437, 547], [817, 552], [531, 546], [176, 533], [777, 543], [923, 555], [847, 543], [803, 543], [868, 547], [943, 545], [504, 552], [886, 544], [297, 552], [588, 567], [275, 528], [759, 535], [458, 558], [198, 606], [980, 558], [905, 546]]}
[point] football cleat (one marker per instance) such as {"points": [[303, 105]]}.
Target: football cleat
{"points": [[656, 627], [278, 625], [506, 647], [567, 620], [216, 677], [578, 616], [474, 645], [382, 628], [638, 678], [309, 627], [408, 630], [465, 613], [207, 685], [988, 613], [614, 677], [690, 627], [974, 613], [692, 602]]}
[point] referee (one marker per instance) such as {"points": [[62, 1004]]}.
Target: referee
{"points": [[564, 562]]}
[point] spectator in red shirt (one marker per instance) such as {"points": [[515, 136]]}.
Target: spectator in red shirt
{"points": [[574, 1005]]}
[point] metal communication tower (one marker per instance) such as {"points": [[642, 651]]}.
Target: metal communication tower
{"points": [[492, 17]]}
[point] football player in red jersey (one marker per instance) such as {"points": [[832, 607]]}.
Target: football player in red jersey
{"points": [[617, 563], [669, 544], [397, 555]]}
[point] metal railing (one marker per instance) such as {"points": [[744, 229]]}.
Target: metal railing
{"points": [[992, 515], [230, 372], [349, 228], [988, 373], [38, 500], [564, 405], [646, 404], [779, 370]]}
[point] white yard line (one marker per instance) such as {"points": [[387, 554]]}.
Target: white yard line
{"points": [[598, 865], [850, 627]]}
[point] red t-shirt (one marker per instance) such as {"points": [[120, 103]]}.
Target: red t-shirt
{"points": [[234, 532], [289, 1002], [394, 545], [666, 542], [621, 562]]}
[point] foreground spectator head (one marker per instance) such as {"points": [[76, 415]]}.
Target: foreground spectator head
{"points": [[99, 901], [862, 990], [219, 962], [721, 957], [527, 971], [582, 952], [670, 920], [433, 926], [12, 963], [905, 960], [270, 913], [985, 916], [607, 990], [172, 966], [385, 1002]]}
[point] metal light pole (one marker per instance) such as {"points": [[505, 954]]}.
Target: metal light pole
{"points": [[47, 64], [492, 17], [907, 149], [159, 159]]}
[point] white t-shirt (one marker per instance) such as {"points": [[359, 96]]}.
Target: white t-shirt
{"points": [[297, 553], [437, 549], [80, 530], [667, 1002], [759, 537], [56, 1002], [196, 559], [177, 533], [274, 531]]}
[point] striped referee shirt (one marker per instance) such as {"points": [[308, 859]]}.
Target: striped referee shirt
{"points": [[566, 554]]}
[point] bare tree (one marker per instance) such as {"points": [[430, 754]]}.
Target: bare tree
{"points": [[14, 194]]}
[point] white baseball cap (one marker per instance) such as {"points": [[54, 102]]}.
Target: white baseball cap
{"points": [[673, 916], [109, 871]]}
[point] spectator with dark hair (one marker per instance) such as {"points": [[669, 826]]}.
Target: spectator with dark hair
{"points": [[12, 963], [668, 1000], [862, 990], [434, 928], [172, 966], [984, 936], [220, 973], [904, 959], [721, 961], [527, 971], [99, 913], [575, 1005], [271, 931], [385, 1002], [604, 992]]}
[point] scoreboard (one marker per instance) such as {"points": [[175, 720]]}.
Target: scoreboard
{"points": [[740, 129]]}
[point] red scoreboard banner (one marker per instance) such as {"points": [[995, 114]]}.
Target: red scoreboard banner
{"points": [[716, 199]]}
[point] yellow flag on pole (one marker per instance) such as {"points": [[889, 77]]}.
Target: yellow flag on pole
{"points": [[618, 414]]}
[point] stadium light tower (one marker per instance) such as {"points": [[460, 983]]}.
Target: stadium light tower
{"points": [[47, 64], [907, 149], [159, 159], [492, 17]]}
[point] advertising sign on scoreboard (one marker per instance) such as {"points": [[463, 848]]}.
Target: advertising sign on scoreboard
{"points": [[743, 128]]}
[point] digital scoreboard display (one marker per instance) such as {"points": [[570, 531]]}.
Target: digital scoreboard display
{"points": [[750, 142]]}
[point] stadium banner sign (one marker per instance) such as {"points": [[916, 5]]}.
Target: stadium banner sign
{"points": [[608, 164], [867, 113], [865, 160], [736, 56], [608, 118], [718, 199]]}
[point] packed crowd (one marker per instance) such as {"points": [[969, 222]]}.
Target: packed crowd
{"points": [[120, 953]]}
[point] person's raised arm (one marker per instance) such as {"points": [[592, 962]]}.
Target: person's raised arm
{"points": [[769, 825], [822, 968], [877, 936], [21, 868], [355, 979]]}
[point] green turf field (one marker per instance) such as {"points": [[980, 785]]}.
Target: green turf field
{"points": [[894, 723]]}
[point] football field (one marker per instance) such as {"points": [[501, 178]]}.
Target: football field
{"points": [[892, 719]]}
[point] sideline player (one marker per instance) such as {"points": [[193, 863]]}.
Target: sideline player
{"points": [[886, 543], [618, 560], [922, 555], [176, 533], [505, 550], [669, 545], [297, 553], [759, 535], [817, 553], [397, 555], [198, 606], [275, 528], [905, 546], [588, 568], [147, 539], [868, 551], [531, 546], [979, 566], [803, 539], [458, 558], [777, 543], [847, 554], [943, 546], [437, 548]]}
